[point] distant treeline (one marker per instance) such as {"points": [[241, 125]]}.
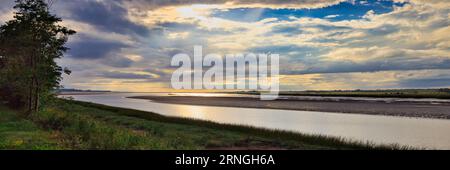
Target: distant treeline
{"points": [[63, 90], [29, 45], [443, 93]]}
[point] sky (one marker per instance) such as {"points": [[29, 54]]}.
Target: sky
{"points": [[127, 45]]}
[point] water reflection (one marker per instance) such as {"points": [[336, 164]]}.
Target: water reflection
{"points": [[195, 112], [419, 132]]}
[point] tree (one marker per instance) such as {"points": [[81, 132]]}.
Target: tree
{"points": [[29, 44]]}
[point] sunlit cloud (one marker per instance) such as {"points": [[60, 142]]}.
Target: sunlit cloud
{"points": [[325, 44]]}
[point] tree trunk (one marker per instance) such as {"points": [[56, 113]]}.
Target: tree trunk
{"points": [[33, 87], [30, 99], [36, 97]]}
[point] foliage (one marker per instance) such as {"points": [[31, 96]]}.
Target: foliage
{"points": [[29, 45]]}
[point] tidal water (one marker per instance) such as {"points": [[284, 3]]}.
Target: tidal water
{"points": [[416, 132]]}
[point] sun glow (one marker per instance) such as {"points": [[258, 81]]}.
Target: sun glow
{"points": [[181, 35], [194, 11]]}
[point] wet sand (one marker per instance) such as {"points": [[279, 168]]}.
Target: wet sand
{"points": [[408, 109]]}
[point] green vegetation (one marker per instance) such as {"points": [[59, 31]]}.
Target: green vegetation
{"points": [[79, 125], [19, 133], [394, 93], [29, 46]]}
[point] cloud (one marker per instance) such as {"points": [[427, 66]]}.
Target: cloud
{"points": [[367, 80], [331, 16], [108, 52], [118, 61], [373, 66], [91, 48], [124, 75], [332, 47], [409, 38], [107, 16], [293, 4], [6, 12], [426, 83], [288, 30]]}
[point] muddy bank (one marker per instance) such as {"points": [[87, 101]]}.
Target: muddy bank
{"points": [[408, 109]]}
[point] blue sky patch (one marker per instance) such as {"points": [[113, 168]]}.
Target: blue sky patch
{"points": [[348, 10]]}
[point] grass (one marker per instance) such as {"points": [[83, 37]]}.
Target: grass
{"points": [[20, 133], [79, 125]]}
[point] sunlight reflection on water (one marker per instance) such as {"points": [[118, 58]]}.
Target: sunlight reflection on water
{"points": [[418, 132]]}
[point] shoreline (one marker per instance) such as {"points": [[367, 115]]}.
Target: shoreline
{"points": [[114, 128], [248, 137], [404, 109]]}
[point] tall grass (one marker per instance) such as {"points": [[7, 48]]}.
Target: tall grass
{"points": [[81, 132]]}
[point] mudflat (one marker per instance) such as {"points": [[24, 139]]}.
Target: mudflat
{"points": [[408, 109]]}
